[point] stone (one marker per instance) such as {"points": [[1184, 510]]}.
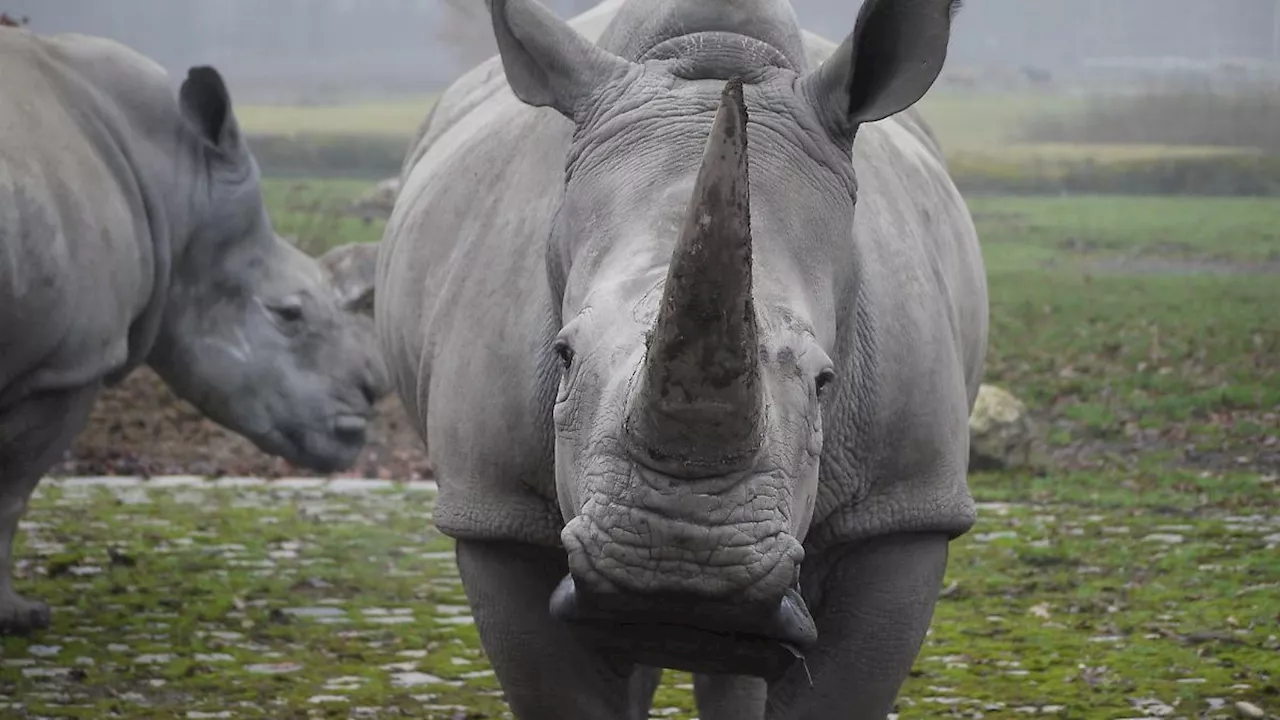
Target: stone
{"points": [[1249, 710], [379, 200], [1002, 434]]}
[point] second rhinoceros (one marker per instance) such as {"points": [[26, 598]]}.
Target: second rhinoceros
{"points": [[695, 384], [133, 231]]}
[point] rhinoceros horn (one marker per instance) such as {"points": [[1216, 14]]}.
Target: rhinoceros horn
{"points": [[698, 407]]}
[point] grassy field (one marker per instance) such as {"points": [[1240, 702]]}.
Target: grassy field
{"points": [[1138, 575]]}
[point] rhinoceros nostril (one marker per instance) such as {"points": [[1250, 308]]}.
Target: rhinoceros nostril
{"points": [[350, 426], [370, 393]]}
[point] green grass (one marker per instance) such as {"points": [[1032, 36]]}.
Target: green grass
{"points": [[316, 213], [1125, 580], [1127, 317]]}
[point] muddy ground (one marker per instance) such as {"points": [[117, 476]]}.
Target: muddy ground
{"points": [[141, 428]]}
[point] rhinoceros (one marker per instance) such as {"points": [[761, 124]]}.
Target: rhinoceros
{"points": [[690, 316], [133, 231]]}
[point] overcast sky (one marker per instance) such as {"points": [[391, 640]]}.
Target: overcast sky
{"points": [[396, 42]]}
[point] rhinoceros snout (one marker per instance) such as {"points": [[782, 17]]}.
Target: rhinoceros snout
{"points": [[690, 633]]}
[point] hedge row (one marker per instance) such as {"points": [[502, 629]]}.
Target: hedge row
{"points": [[362, 157], [1214, 176], [1244, 119], [373, 158]]}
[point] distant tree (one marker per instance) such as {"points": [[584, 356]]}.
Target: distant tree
{"points": [[466, 29]]}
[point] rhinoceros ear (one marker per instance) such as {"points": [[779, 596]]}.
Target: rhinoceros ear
{"points": [[547, 62], [887, 63], [206, 105], [352, 268]]}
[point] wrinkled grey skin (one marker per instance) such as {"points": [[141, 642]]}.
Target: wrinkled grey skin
{"points": [[132, 230], [569, 296]]}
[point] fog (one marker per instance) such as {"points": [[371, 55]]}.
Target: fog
{"points": [[339, 50]]}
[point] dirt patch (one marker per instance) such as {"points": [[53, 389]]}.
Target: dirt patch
{"points": [[141, 428], [1148, 265], [1162, 257], [1175, 443]]}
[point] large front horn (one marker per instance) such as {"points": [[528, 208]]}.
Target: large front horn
{"points": [[698, 406]]}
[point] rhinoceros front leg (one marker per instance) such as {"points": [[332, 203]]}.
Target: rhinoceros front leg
{"points": [[729, 697], [547, 671], [33, 435], [875, 603]]}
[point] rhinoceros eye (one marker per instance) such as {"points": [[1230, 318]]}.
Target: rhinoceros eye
{"points": [[825, 378], [565, 353], [286, 311]]}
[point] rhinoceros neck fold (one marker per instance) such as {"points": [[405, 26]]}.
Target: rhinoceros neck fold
{"points": [[699, 401]]}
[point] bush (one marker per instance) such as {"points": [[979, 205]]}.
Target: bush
{"points": [[1225, 175], [363, 157], [1240, 119]]}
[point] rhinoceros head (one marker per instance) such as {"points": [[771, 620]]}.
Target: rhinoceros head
{"points": [[258, 335], [699, 287]]}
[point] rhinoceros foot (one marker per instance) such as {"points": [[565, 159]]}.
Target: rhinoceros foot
{"points": [[20, 616], [691, 634]]}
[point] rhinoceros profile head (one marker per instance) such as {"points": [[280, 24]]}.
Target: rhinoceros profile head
{"points": [[258, 335], [699, 306]]}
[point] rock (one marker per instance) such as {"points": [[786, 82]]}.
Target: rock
{"points": [[1002, 435], [380, 199], [1249, 710]]}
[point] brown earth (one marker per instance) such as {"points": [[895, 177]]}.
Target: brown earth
{"points": [[141, 428]]}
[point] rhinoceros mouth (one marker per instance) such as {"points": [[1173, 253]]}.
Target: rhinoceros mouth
{"points": [[689, 633], [325, 448]]}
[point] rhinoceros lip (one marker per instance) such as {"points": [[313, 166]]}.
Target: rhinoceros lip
{"points": [[692, 638]]}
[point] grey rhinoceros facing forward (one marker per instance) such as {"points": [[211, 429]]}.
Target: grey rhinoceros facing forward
{"points": [[132, 230], [696, 386]]}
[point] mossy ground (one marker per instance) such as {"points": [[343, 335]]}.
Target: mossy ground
{"points": [[1137, 576], [269, 601]]}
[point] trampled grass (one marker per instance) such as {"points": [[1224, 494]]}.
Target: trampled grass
{"points": [[1138, 575]]}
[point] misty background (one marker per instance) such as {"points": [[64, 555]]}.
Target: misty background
{"points": [[322, 51]]}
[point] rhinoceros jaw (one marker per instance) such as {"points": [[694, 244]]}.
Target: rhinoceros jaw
{"points": [[691, 634]]}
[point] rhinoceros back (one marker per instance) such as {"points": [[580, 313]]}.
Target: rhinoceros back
{"points": [[71, 270]]}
